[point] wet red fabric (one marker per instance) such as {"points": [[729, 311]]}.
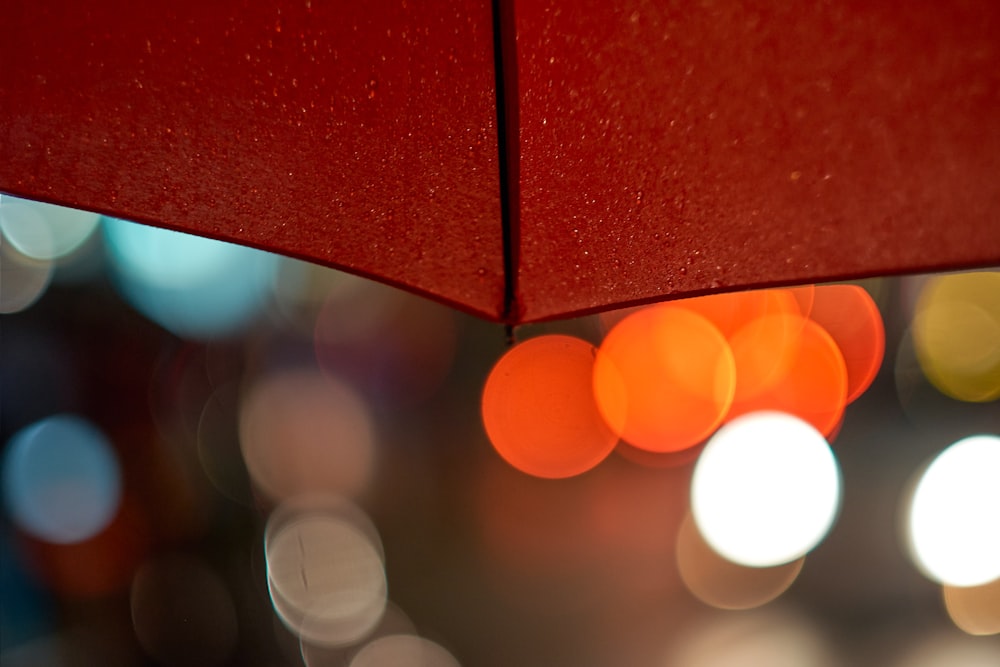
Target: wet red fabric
{"points": [[654, 149]]}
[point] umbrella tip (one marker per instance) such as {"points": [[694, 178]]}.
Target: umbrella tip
{"points": [[508, 332]]}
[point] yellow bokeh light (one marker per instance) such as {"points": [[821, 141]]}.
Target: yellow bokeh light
{"points": [[956, 335]]}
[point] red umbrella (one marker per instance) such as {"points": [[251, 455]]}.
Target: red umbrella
{"points": [[524, 160]]}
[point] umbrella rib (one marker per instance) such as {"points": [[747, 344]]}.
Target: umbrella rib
{"points": [[508, 142]]}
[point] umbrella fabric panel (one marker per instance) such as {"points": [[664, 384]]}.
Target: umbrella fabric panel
{"points": [[359, 135], [673, 148]]}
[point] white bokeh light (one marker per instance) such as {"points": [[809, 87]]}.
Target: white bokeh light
{"points": [[403, 651], [954, 514], [325, 571], [44, 231], [765, 490]]}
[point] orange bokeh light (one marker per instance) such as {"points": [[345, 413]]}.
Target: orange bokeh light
{"points": [[789, 363], [805, 297], [851, 317], [539, 411], [664, 378], [974, 609], [730, 312]]}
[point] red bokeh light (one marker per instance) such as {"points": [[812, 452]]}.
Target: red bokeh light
{"points": [[851, 317]]}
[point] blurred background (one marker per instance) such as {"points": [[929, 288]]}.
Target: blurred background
{"points": [[216, 456]]}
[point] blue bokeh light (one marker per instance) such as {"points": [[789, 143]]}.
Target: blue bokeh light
{"points": [[61, 480], [194, 287]]}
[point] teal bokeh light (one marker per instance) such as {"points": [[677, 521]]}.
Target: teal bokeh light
{"points": [[194, 287]]}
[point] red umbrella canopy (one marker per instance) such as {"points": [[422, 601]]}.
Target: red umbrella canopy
{"points": [[524, 160]]}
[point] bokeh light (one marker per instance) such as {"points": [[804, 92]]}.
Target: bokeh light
{"points": [[732, 311], [61, 480], [23, 280], [790, 364], [394, 621], [397, 348], [924, 405], [218, 445], [764, 350], [539, 411], [723, 584], [760, 638], [98, 566], [765, 490], [949, 649], [182, 612], [664, 378], [325, 572], [44, 231], [852, 318], [194, 287], [954, 514], [956, 335], [805, 298], [302, 432], [301, 288], [974, 609], [403, 651]]}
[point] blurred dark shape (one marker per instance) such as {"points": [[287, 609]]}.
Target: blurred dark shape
{"points": [[182, 612]]}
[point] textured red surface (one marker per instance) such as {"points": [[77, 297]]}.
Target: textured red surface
{"points": [[357, 134], [677, 147], [659, 149]]}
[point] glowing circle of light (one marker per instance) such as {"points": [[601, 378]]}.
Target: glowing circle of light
{"points": [[974, 609], [664, 378], [954, 514], [946, 649], [539, 412], [765, 490], [956, 335], [302, 432], [394, 621], [757, 638], [61, 480], [403, 651], [852, 318], [23, 280], [194, 287], [789, 363], [731, 311], [44, 231], [723, 584], [325, 575]]}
